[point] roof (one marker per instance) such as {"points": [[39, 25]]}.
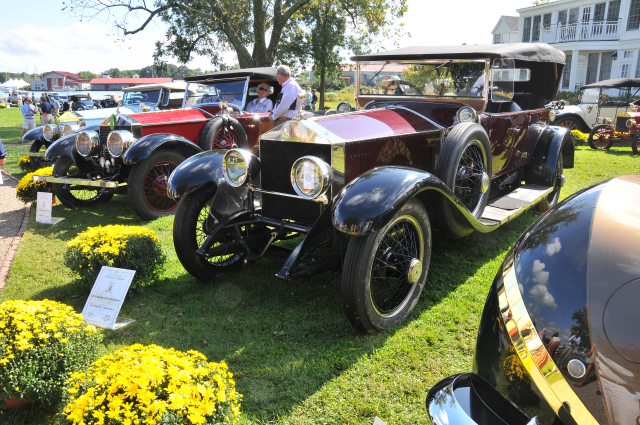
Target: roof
{"points": [[269, 73], [614, 83], [513, 22], [376, 68], [533, 52], [136, 81], [177, 86], [69, 75]]}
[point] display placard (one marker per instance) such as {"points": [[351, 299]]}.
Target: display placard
{"points": [[43, 207], [106, 298]]}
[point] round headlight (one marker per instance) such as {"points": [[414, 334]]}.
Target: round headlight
{"points": [[118, 141], [235, 166], [467, 114], [552, 115], [630, 122], [69, 128], [87, 142], [310, 177], [50, 132]]}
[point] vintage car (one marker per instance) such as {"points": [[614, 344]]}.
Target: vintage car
{"points": [[368, 187], [625, 126], [136, 153], [110, 101], [80, 102], [557, 342], [597, 103]]}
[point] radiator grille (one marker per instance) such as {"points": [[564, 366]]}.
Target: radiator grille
{"points": [[621, 124]]}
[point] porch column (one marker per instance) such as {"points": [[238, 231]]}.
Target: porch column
{"points": [[574, 69]]}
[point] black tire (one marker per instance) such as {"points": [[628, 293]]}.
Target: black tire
{"points": [[148, 184], [189, 235], [76, 196], [600, 137], [223, 132], [35, 162], [377, 291], [634, 143], [465, 166], [551, 200], [569, 123]]}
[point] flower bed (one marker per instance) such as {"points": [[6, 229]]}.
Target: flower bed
{"points": [[27, 189], [42, 343], [579, 138], [24, 163], [151, 385], [127, 247]]}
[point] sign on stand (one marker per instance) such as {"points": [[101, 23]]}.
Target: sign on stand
{"points": [[1, 177], [43, 209], [106, 298]]}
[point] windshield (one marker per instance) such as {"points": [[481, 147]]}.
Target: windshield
{"points": [[230, 91], [432, 78], [590, 96], [137, 97]]}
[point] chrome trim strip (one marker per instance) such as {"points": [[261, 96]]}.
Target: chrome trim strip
{"points": [[322, 199], [78, 182], [420, 115]]}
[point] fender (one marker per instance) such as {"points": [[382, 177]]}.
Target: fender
{"points": [[145, 146], [553, 142], [66, 146], [34, 134], [369, 202]]}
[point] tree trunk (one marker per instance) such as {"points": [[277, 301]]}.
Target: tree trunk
{"points": [[322, 81]]}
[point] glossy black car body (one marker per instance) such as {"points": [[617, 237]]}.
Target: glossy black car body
{"points": [[557, 337]]}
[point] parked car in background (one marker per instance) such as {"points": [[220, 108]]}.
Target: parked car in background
{"points": [[136, 153], [18, 93], [111, 101], [446, 152], [556, 341], [596, 105]]}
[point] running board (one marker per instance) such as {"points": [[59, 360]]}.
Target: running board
{"points": [[505, 208]]}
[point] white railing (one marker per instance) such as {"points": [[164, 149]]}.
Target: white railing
{"points": [[583, 30]]}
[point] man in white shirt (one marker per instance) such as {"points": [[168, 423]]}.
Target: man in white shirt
{"points": [[262, 103], [287, 101]]}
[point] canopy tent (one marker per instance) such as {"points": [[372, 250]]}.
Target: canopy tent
{"points": [[15, 84]]}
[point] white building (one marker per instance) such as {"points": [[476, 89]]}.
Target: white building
{"points": [[601, 39], [506, 30]]}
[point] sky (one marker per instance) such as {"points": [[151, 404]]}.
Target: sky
{"points": [[37, 36]]}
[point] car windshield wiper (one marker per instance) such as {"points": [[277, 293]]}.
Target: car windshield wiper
{"points": [[379, 71]]}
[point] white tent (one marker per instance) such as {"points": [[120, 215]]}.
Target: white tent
{"points": [[14, 84]]}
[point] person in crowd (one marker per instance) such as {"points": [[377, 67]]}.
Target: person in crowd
{"points": [[89, 96], [314, 101], [262, 103], [3, 154], [46, 111], [394, 85], [553, 345], [287, 101], [56, 109], [33, 98], [29, 114], [308, 103]]}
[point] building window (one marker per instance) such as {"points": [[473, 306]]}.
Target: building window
{"points": [[627, 54], [526, 30], [598, 14], [634, 15], [624, 71], [535, 36], [638, 67], [566, 73], [497, 38], [592, 68], [614, 11], [546, 20]]}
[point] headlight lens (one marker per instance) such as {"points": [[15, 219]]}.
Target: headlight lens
{"points": [[467, 114], [50, 132], [69, 128], [552, 115], [87, 142], [630, 122], [118, 141], [235, 166], [310, 177]]}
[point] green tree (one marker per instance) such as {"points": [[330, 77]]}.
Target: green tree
{"points": [[114, 73], [87, 75]]}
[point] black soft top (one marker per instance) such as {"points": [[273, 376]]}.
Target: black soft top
{"points": [[268, 73], [615, 83], [533, 52]]}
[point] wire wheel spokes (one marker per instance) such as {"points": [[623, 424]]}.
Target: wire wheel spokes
{"points": [[468, 184], [201, 236], [390, 286], [225, 138], [602, 138], [569, 124], [83, 193], [155, 187]]}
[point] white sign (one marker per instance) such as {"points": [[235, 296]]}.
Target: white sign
{"points": [[378, 421], [0, 177], [43, 209], [106, 298]]}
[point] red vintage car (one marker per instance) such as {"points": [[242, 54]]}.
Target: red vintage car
{"points": [[136, 153], [459, 141]]}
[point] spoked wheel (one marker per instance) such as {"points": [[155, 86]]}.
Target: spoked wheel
{"points": [[223, 132], [148, 184], [634, 144], [551, 200], [190, 233], [75, 196], [569, 123], [601, 137], [465, 166], [384, 272]]}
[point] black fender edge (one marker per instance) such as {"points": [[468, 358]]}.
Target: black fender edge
{"points": [[146, 145], [552, 142], [34, 134]]}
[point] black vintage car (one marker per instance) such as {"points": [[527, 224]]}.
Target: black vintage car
{"points": [[557, 342], [447, 152]]}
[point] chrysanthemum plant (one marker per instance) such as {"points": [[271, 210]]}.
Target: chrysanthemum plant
{"points": [[27, 189]]}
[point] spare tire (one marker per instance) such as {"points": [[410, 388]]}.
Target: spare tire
{"points": [[223, 132]]}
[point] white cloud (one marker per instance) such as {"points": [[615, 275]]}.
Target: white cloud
{"points": [[540, 292], [554, 247], [539, 275]]}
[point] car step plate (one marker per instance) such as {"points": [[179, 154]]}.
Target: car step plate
{"points": [[527, 195]]}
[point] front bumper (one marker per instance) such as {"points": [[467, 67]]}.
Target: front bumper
{"points": [[77, 182]]}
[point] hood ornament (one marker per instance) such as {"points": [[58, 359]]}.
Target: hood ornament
{"points": [[302, 94]]}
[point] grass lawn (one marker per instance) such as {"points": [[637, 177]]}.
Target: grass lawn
{"points": [[295, 357]]}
